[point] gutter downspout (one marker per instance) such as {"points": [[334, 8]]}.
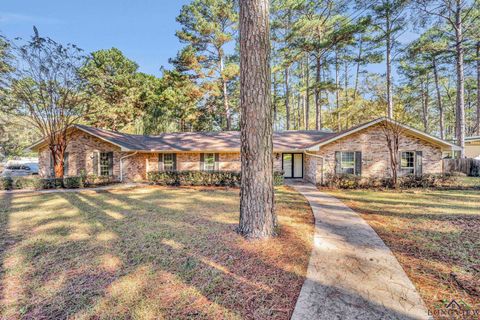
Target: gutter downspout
{"points": [[121, 163], [323, 163]]}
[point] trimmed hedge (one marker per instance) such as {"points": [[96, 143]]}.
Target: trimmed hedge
{"points": [[35, 183], [348, 181], [202, 178], [31, 183]]}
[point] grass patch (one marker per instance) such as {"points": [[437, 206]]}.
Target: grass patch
{"points": [[433, 233], [148, 253]]}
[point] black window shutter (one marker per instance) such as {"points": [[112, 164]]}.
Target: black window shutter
{"points": [[419, 163], [110, 163], [202, 160], [160, 162], [52, 172], [174, 156], [358, 163], [65, 163], [338, 164], [399, 173], [217, 161], [95, 163]]}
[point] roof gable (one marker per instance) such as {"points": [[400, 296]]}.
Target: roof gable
{"points": [[422, 135]]}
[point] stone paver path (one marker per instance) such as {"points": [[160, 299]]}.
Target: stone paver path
{"points": [[352, 274]]}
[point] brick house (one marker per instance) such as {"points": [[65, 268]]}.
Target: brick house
{"points": [[312, 155], [472, 147]]}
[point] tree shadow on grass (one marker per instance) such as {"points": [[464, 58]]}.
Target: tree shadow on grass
{"points": [[193, 270], [153, 265], [6, 240]]}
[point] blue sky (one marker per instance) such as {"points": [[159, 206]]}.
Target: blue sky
{"points": [[143, 29]]}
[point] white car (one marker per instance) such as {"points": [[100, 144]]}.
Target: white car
{"points": [[20, 170]]}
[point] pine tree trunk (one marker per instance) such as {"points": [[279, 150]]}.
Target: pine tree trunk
{"points": [[337, 88], [274, 100], [346, 85], [389, 69], [478, 89], [226, 105], [460, 102], [425, 101], [257, 214], [287, 98], [307, 94], [359, 58], [439, 99], [318, 110]]}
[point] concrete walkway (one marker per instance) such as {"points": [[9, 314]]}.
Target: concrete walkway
{"points": [[352, 274]]}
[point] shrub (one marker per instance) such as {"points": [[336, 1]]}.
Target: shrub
{"points": [[427, 181], [404, 182], [95, 180], [73, 182], [195, 178], [51, 183], [343, 181], [278, 178], [6, 183], [202, 178]]}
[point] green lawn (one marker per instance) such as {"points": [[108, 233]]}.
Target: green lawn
{"points": [[148, 253], [435, 235]]}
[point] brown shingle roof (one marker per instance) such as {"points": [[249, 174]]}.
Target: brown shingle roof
{"points": [[203, 141]]}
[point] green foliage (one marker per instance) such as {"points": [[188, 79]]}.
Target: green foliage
{"points": [[348, 181], [93, 180], [73, 182], [208, 27], [195, 178], [278, 178], [6, 183], [202, 178], [29, 183], [173, 106], [118, 92], [36, 183]]}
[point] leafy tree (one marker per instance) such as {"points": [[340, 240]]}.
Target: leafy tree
{"points": [[172, 105], [47, 91], [16, 134], [5, 60], [116, 89], [208, 28]]}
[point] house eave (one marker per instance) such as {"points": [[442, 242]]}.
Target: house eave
{"points": [[432, 139]]}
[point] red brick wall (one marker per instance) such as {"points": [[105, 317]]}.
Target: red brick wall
{"points": [[81, 148], [375, 155]]}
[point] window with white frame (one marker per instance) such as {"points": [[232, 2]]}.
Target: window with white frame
{"points": [[407, 162], [104, 164], [347, 162], [209, 162], [168, 162]]}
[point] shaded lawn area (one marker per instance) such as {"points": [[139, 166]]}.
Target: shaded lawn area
{"points": [[435, 235], [148, 253]]}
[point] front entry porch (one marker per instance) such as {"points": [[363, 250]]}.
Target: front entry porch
{"points": [[292, 165]]}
